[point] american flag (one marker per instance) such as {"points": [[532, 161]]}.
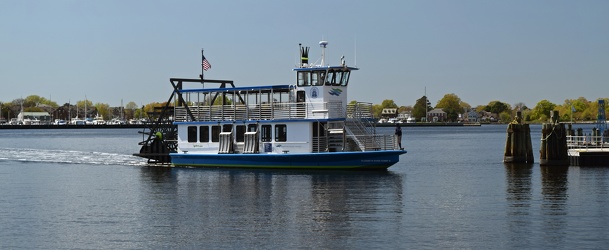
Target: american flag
{"points": [[205, 64]]}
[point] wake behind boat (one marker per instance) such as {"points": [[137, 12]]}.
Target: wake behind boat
{"points": [[306, 125]]}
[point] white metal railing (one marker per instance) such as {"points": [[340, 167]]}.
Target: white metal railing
{"points": [[359, 110], [261, 111], [319, 144], [587, 141], [243, 112], [372, 142]]}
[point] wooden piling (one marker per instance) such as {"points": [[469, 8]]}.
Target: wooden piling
{"points": [[553, 151], [518, 143]]}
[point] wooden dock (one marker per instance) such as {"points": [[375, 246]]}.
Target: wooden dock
{"points": [[588, 150]]}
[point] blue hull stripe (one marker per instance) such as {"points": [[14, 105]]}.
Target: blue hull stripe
{"points": [[333, 160]]}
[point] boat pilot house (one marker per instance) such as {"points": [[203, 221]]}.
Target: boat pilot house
{"points": [[307, 124]]}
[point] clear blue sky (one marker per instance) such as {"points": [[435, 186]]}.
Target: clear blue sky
{"points": [[108, 51]]}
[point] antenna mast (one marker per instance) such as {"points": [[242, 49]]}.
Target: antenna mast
{"points": [[323, 45]]}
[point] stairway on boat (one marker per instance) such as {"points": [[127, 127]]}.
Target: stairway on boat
{"points": [[362, 133], [336, 140]]}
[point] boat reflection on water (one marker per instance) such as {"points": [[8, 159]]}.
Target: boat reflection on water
{"points": [[267, 201]]}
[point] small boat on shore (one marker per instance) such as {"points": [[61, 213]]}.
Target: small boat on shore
{"points": [[304, 125]]}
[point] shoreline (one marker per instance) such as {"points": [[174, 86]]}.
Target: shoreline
{"points": [[70, 126], [141, 126], [431, 124]]}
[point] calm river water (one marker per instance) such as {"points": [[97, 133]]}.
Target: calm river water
{"points": [[65, 189]]}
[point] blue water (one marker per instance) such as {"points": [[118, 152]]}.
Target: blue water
{"points": [[83, 189]]}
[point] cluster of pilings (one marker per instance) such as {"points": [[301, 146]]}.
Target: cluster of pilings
{"points": [[518, 144], [553, 150]]}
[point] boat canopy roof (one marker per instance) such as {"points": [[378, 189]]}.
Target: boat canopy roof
{"points": [[263, 89]]}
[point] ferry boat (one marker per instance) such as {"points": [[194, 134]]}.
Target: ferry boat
{"points": [[304, 125]]}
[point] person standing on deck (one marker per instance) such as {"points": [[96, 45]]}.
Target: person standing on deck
{"points": [[398, 133]]}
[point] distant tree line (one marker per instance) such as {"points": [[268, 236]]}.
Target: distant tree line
{"points": [[81, 109], [577, 110]]}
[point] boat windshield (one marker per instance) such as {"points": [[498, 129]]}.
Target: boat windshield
{"points": [[337, 78], [330, 77]]}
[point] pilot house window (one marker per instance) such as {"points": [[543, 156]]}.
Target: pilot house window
{"points": [[345, 78], [314, 78], [303, 79], [337, 78], [322, 78]]}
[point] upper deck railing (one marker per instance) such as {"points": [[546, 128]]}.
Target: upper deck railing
{"points": [[272, 111]]}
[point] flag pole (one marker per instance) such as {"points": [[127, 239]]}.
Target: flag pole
{"points": [[202, 67], [205, 65]]}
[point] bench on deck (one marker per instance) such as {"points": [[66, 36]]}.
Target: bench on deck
{"points": [[226, 143], [250, 143]]}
